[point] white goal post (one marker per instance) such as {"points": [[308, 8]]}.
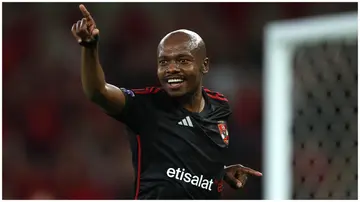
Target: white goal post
{"points": [[281, 39]]}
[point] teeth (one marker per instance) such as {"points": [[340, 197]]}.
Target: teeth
{"points": [[175, 80]]}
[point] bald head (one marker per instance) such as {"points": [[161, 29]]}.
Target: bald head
{"points": [[182, 63], [184, 39]]}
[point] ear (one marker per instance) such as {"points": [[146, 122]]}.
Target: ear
{"points": [[205, 66]]}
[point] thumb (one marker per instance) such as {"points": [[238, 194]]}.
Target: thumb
{"points": [[238, 184], [95, 32], [233, 182]]}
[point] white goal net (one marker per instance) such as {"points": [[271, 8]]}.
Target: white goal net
{"points": [[310, 131]]}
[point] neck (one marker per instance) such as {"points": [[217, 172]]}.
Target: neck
{"points": [[194, 102]]}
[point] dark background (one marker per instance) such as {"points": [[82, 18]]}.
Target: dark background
{"points": [[57, 144]]}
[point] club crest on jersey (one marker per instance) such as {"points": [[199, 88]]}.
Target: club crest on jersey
{"points": [[223, 131]]}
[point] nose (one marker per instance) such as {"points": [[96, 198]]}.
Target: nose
{"points": [[173, 67]]}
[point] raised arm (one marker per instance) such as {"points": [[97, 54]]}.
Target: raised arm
{"points": [[107, 96]]}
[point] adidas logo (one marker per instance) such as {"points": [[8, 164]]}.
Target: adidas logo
{"points": [[186, 122]]}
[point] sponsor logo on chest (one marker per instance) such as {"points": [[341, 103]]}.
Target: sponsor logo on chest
{"points": [[182, 175]]}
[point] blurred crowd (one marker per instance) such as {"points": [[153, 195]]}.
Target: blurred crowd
{"points": [[58, 145]]}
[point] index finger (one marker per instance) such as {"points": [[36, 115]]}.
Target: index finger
{"points": [[84, 11], [251, 171]]}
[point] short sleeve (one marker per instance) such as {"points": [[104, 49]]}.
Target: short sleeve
{"points": [[135, 111]]}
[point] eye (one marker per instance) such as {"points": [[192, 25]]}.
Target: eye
{"points": [[162, 62], [184, 61]]}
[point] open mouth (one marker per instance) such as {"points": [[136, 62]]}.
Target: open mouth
{"points": [[175, 83]]}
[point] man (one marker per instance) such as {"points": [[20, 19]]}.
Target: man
{"points": [[180, 132]]}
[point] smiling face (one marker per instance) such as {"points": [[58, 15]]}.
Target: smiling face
{"points": [[182, 63]]}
